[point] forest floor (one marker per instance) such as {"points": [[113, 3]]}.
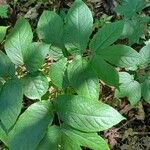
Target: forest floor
{"points": [[133, 133]]}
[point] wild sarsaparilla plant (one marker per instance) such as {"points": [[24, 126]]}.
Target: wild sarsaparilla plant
{"points": [[73, 117], [135, 22], [136, 85]]}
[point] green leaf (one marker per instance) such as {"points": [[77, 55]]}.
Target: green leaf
{"points": [[129, 88], [78, 27], [31, 126], [3, 11], [146, 88], [134, 29], [50, 28], [3, 135], [17, 42], [96, 117], [57, 137], [90, 140], [83, 78], [11, 97], [144, 19], [106, 36], [3, 30], [105, 71], [35, 57], [51, 139], [57, 73], [35, 85], [145, 56], [15, 2], [121, 56], [56, 53], [130, 8], [6, 66], [1, 85]]}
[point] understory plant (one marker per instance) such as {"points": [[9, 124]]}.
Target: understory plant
{"points": [[136, 84], [135, 22], [3, 10], [50, 87]]}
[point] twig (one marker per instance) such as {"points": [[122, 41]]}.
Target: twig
{"points": [[126, 123]]}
